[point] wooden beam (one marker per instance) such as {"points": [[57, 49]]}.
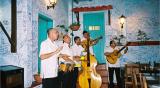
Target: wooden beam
{"points": [[87, 9], [13, 26], [109, 17], [139, 43]]}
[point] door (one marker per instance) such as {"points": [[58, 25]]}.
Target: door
{"points": [[44, 23], [94, 23]]}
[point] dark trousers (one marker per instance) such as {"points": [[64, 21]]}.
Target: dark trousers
{"points": [[74, 78], [118, 77], [50, 83], [65, 79]]}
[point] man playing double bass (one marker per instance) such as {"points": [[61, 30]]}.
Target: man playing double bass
{"points": [[86, 36], [114, 66], [89, 78]]}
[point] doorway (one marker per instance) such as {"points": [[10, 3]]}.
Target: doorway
{"points": [[44, 23], [94, 23]]}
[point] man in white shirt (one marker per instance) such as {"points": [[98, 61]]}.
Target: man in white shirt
{"points": [[49, 53], [114, 67], [86, 36], [77, 53], [66, 77]]}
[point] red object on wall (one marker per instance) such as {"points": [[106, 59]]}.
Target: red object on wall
{"points": [[139, 43], [97, 8]]}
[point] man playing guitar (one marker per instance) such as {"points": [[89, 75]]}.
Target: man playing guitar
{"points": [[110, 52]]}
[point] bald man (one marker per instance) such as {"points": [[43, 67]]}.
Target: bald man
{"points": [[49, 53]]}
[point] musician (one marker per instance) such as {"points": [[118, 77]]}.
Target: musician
{"points": [[114, 67], [49, 52], [77, 52], [86, 36], [66, 77]]}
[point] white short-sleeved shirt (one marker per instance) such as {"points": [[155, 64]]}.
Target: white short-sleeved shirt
{"points": [[49, 66], [110, 50], [77, 51], [66, 50], [90, 48]]}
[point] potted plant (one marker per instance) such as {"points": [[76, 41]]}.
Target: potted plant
{"points": [[75, 26]]}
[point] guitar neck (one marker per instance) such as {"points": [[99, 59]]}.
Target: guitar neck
{"points": [[121, 49]]}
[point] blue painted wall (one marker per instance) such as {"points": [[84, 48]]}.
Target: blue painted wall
{"points": [[141, 15], [27, 33]]}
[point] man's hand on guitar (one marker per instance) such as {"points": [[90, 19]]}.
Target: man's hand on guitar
{"points": [[126, 48], [125, 51], [94, 42]]}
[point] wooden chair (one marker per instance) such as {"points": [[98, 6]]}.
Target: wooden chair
{"points": [[138, 83], [145, 68], [136, 75], [136, 69], [144, 82], [129, 77]]}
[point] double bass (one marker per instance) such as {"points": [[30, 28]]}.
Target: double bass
{"points": [[89, 78]]}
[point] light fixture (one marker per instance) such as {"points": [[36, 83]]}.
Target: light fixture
{"points": [[122, 20], [52, 4]]}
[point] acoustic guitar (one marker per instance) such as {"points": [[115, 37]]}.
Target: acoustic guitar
{"points": [[113, 57]]}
